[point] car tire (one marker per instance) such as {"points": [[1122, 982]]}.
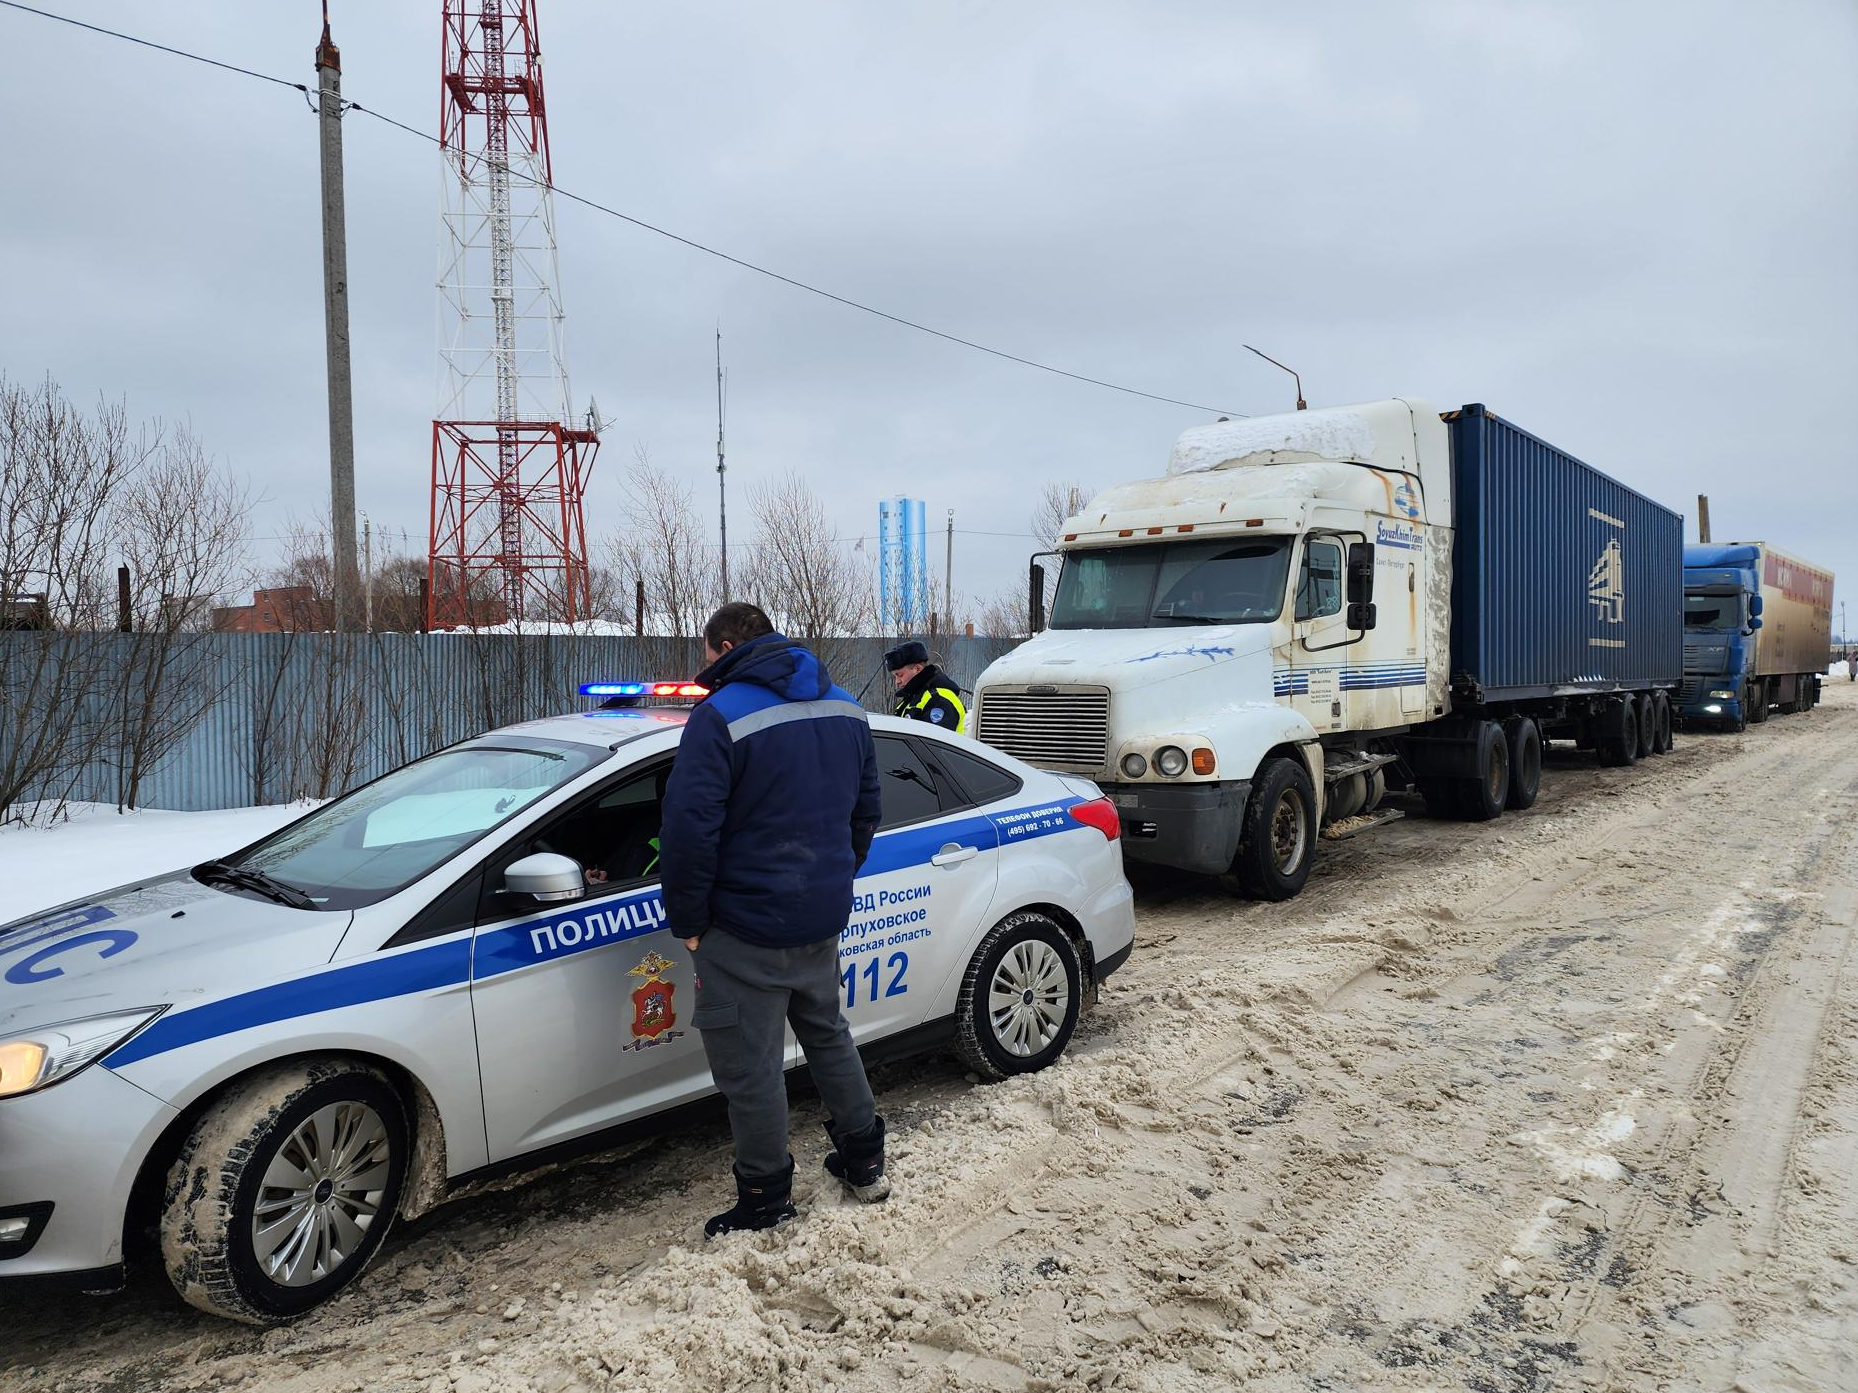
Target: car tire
{"points": [[1019, 998], [1664, 740], [334, 1122], [1524, 738], [1277, 835]]}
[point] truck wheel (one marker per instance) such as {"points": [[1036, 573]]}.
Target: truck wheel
{"points": [[1757, 703], [1617, 743], [284, 1190], [1662, 741], [1483, 797], [1648, 725], [1278, 834], [1019, 998], [1524, 738]]}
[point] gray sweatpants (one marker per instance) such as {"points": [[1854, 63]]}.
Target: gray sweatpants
{"points": [[745, 993]]}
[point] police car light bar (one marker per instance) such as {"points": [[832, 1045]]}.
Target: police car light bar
{"points": [[641, 689]]}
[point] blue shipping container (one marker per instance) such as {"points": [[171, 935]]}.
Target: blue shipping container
{"points": [[1563, 580]]}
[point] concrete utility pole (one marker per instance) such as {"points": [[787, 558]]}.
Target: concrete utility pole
{"points": [[1703, 517], [335, 324]]}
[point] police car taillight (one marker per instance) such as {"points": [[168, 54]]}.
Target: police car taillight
{"points": [[1099, 813]]}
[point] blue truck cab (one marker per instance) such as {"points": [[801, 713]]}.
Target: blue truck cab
{"points": [[1722, 612]]}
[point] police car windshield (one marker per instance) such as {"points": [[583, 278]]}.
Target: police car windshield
{"points": [[1226, 580], [385, 835]]}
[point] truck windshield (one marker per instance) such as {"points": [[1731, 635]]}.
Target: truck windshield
{"points": [[385, 835], [1711, 612], [1222, 580]]}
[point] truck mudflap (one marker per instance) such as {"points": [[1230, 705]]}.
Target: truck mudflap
{"points": [[1190, 827]]}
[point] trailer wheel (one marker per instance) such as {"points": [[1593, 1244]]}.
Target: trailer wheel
{"points": [[1758, 697], [1617, 740], [1278, 833], [1524, 738], [1664, 742], [1648, 725]]}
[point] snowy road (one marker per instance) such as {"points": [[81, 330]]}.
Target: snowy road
{"points": [[1569, 1100]]}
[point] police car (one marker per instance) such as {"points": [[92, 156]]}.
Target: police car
{"points": [[464, 967]]}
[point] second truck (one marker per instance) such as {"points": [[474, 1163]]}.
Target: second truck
{"points": [[1757, 633], [1312, 608]]}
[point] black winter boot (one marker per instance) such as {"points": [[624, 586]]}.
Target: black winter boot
{"points": [[761, 1202], [858, 1161]]}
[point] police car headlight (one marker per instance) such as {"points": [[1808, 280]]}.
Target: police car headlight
{"points": [[1171, 761], [1134, 766], [35, 1059]]}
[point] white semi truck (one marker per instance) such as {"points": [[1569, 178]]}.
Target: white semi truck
{"points": [[1309, 608]]}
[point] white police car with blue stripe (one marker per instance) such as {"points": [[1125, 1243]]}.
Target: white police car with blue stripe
{"points": [[464, 966]]}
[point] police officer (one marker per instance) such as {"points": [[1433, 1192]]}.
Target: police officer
{"points": [[924, 691]]}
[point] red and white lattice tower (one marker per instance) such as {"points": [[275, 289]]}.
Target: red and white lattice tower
{"points": [[509, 540]]}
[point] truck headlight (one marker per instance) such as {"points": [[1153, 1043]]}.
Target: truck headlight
{"points": [[35, 1059], [1171, 760], [1723, 696], [1134, 766]]}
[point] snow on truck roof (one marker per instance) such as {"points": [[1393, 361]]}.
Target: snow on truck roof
{"points": [[1380, 433]]}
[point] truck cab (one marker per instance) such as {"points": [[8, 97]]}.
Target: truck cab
{"points": [[1227, 642], [1722, 611]]}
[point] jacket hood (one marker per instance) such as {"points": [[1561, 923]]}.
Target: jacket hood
{"points": [[772, 661]]}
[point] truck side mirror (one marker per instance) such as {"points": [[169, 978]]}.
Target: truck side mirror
{"points": [[1754, 604], [1361, 617], [1754, 622], [1360, 577], [1035, 595]]}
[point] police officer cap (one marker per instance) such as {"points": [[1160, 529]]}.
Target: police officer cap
{"points": [[915, 651]]}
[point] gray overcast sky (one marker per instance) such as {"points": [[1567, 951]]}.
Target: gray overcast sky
{"points": [[1631, 228]]}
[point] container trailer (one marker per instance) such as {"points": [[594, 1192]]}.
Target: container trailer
{"points": [[1757, 633], [1311, 608]]}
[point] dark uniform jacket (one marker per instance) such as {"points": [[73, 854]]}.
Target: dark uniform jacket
{"points": [[932, 696]]}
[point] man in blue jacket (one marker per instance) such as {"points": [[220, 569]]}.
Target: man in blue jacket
{"points": [[770, 810]]}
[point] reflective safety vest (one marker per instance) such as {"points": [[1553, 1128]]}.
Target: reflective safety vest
{"points": [[919, 710]]}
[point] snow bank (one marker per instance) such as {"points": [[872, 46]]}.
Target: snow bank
{"points": [[99, 848]]}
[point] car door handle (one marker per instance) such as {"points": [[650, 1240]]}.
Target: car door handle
{"points": [[953, 855]]}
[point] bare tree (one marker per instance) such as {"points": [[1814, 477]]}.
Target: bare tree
{"points": [[1056, 503], [666, 547], [62, 473], [181, 522], [809, 581]]}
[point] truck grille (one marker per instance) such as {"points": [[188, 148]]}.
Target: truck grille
{"points": [[1068, 728]]}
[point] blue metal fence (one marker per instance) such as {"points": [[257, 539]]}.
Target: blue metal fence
{"points": [[265, 718]]}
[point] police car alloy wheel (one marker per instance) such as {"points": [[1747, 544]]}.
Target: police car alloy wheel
{"points": [[1020, 997], [284, 1190]]}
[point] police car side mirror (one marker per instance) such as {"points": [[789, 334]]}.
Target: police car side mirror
{"points": [[546, 876]]}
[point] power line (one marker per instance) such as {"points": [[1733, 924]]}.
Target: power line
{"points": [[640, 223]]}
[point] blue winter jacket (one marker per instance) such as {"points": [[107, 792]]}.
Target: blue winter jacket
{"points": [[772, 802]]}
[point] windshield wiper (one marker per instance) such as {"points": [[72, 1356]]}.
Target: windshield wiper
{"points": [[1198, 618], [246, 878]]}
